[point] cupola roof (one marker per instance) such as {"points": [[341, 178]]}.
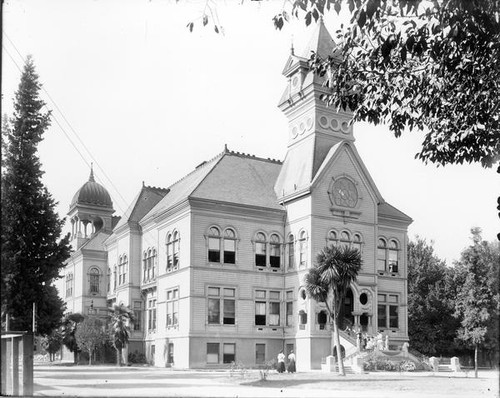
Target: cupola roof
{"points": [[92, 193]]}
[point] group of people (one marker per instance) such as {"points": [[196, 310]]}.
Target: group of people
{"points": [[291, 362]]}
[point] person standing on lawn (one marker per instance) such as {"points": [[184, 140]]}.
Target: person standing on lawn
{"points": [[281, 362], [291, 362]]}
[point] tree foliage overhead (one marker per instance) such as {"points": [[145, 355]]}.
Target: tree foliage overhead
{"points": [[432, 65], [32, 253]]}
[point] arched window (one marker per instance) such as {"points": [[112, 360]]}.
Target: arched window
{"points": [[302, 249], [176, 248], [170, 253], [214, 245], [275, 251], [291, 251], [322, 317], [332, 238], [260, 250], [356, 242], [94, 280], [345, 239], [393, 256], [381, 255], [229, 246]]}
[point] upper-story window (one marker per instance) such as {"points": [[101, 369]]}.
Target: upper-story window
{"points": [[109, 279], [94, 280], [229, 246], [221, 306], [225, 243], [173, 242], [114, 277], [176, 247], [291, 251], [302, 249], [151, 314], [267, 308], [260, 250], [214, 239], [357, 242], [332, 239], [381, 255], [345, 239], [122, 269], [387, 256], [69, 285], [393, 256], [149, 261], [388, 311], [275, 251]]}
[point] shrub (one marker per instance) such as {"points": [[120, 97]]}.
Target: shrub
{"points": [[408, 366], [136, 357]]}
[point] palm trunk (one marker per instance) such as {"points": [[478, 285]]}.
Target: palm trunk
{"points": [[340, 361], [119, 357], [475, 361], [90, 357], [75, 357]]}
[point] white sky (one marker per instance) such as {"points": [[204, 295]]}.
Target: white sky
{"points": [[151, 101]]}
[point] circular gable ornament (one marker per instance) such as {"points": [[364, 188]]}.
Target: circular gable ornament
{"points": [[344, 193]]}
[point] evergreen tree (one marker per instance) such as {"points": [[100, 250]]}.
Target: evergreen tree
{"points": [[32, 252], [477, 302]]}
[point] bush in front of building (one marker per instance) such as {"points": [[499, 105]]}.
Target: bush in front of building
{"points": [[137, 357]]}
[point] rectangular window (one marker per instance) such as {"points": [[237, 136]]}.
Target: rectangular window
{"points": [[260, 353], [388, 311], [214, 310], [172, 308], [170, 354], [289, 313], [221, 306], [214, 250], [260, 313], [212, 352], [138, 315], [274, 314], [229, 251], [229, 353], [275, 255], [229, 312], [152, 315]]}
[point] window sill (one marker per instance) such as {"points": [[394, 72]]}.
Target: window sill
{"points": [[387, 273]]}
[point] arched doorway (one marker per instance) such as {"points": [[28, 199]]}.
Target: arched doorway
{"points": [[346, 317]]}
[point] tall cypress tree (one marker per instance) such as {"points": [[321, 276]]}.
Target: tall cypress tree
{"points": [[32, 251]]}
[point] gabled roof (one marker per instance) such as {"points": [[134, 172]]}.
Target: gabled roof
{"points": [[145, 200]]}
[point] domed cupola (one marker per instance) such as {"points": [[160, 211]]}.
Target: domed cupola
{"points": [[93, 194], [90, 212]]}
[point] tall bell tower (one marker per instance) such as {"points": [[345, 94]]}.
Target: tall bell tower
{"points": [[314, 128]]}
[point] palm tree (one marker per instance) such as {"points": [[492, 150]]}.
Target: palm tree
{"points": [[68, 332], [327, 282], [121, 316]]}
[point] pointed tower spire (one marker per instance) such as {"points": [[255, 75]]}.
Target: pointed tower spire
{"points": [[91, 178]]}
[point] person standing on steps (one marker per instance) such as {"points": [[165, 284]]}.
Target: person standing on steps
{"points": [[291, 362], [281, 362]]}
